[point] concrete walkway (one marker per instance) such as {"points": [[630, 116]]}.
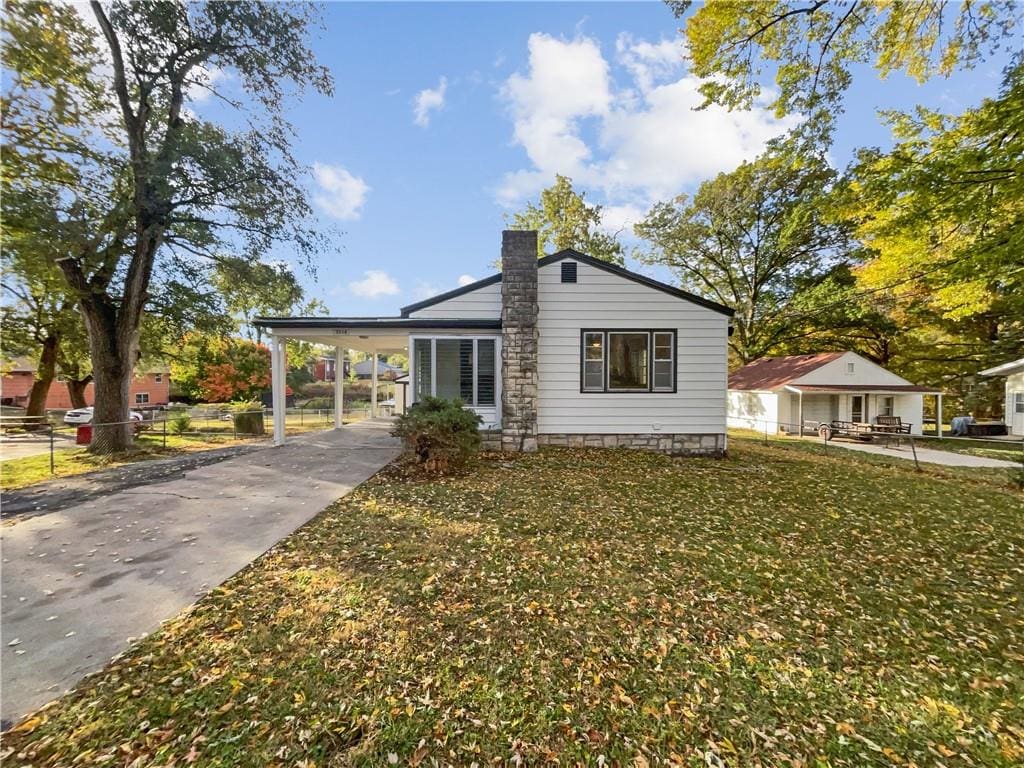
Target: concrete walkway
{"points": [[927, 455], [81, 583]]}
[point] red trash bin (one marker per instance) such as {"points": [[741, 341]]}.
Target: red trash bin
{"points": [[83, 436]]}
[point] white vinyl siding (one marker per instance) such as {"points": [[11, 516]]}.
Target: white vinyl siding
{"points": [[482, 303], [603, 300], [754, 410]]}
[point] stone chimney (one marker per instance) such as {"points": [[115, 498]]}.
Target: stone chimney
{"points": [[518, 340]]}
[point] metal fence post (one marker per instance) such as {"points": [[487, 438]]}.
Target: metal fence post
{"points": [[165, 430], [51, 450]]}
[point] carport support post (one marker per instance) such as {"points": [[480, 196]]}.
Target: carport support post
{"points": [[277, 386], [373, 386], [938, 415], [339, 387], [800, 412]]}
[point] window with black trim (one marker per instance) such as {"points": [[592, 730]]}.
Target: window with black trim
{"points": [[628, 360]]}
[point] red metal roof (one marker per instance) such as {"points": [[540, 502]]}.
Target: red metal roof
{"points": [[774, 372]]}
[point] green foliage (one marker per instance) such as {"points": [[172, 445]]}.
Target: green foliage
{"points": [[134, 194], [564, 220], [181, 423], [814, 44], [439, 435], [943, 216], [747, 239], [248, 417]]}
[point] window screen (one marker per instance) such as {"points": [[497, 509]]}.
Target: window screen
{"points": [[422, 357], [456, 368], [485, 360], [593, 361], [664, 361]]}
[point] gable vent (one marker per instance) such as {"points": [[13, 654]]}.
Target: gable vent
{"points": [[568, 271]]}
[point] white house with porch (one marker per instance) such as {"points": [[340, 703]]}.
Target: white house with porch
{"points": [[1013, 404], [562, 350], [778, 394]]}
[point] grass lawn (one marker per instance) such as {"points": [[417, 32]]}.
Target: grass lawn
{"points": [[780, 607], [991, 449]]}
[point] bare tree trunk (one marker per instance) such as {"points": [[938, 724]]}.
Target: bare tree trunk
{"points": [[46, 372], [113, 361], [76, 391]]}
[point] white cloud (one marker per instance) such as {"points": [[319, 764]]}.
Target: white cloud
{"points": [[204, 80], [466, 280], [340, 194], [429, 100], [632, 144], [375, 283]]}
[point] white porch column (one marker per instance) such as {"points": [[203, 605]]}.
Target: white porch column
{"points": [[800, 411], [373, 386], [339, 387], [277, 383], [938, 415]]}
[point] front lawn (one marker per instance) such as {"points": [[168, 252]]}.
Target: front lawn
{"points": [[780, 607]]}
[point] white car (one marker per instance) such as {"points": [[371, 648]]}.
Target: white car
{"points": [[84, 416]]}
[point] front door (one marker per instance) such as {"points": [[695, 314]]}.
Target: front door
{"points": [[857, 408]]}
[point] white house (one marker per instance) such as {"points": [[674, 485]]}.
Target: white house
{"points": [[780, 393], [1013, 405], [562, 350]]}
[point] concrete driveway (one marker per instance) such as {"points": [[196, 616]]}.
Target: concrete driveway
{"points": [[79, 584]]}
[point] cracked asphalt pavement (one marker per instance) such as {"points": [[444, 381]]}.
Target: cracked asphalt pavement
{"points": [[85, 575]]}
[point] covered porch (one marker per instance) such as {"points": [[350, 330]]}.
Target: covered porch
{"points": [[808, 405], [447, 358]]}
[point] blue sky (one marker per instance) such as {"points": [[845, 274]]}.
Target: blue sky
{"points": [[447, 116]]}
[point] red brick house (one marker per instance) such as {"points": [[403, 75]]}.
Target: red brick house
{"points": [[149, 388]]}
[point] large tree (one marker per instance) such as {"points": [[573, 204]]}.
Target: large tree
{"points": [[254, 289], [813, 45], [563, 219], [749, 239], [147, 187], [942, 213]]}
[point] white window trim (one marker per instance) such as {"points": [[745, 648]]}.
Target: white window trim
{"points": [[1018, 402], [142, 394], [433, 366], [671, 359]]}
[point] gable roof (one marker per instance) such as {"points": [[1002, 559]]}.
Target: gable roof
{"points": [[569, 253], [774, 372], [1005, 369]]}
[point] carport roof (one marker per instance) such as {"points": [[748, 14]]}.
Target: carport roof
{"points": [[371, 323]]}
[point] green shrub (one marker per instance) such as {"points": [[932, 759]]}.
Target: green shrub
{"points": [[317, 389], [180, 423], [439, 435], [248, 417], [319, 404]]}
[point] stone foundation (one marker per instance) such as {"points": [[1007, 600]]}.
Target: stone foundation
{"points": [[672, 444], [490, 439]]}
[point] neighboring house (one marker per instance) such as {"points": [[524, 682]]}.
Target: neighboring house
{"points": [[780, 393], [324, 369], [364, 370], [564, 350], [1013, 404], [150, 388]]}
